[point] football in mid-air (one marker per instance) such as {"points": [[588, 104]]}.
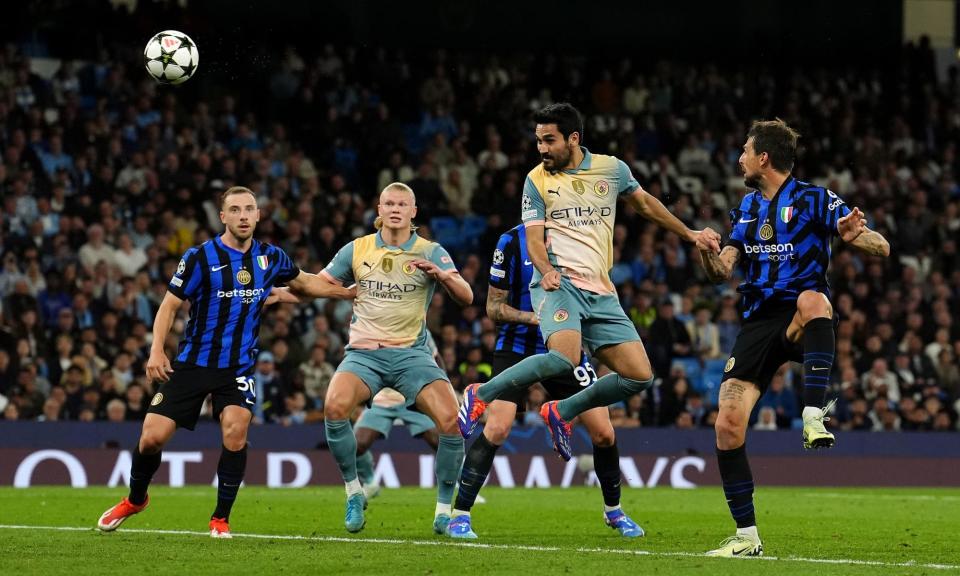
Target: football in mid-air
{"points": [[171, 57]]}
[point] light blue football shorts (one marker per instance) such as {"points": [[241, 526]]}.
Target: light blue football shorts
{"points": [[383, 419], [406, 370], [598, 317]]}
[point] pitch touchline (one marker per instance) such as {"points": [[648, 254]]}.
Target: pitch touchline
{"points": [[521, 547]]}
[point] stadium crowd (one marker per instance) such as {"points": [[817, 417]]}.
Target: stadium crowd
{"points": [[106, 178]]}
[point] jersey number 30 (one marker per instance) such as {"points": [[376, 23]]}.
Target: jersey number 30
{"points": [[248, 389]]}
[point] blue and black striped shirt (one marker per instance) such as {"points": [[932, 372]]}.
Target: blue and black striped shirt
{"points": [[511, 270], [226, 289], [784, 242]]}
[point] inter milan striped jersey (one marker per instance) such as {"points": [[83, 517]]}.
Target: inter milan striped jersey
{"points": [[511, 270], [784, 242], [226, 289]]}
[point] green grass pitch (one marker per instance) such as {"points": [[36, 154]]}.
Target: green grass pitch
{"points": [[534, 531]]}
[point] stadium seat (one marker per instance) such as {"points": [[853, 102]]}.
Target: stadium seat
{"points": [[712, 376], [473, 229], [691, 367], [446, 231]]}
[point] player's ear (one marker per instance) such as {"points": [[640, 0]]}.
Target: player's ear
{"points": [[222, 221]]}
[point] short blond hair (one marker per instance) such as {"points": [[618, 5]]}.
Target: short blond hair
{"points": [[378, 221]]}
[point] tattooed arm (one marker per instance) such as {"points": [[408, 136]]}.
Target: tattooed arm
{"points": [[853, 230], [499, 311], [720, 266]]}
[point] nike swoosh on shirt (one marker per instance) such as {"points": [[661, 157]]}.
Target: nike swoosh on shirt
{"points": [[218, 268], [742, 221], [527, 263], [819, 367]]}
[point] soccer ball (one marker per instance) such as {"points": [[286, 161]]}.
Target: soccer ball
{"points": [[171, 57]]}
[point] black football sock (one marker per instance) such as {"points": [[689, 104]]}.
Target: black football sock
{"points": [[142, 469], [818, 350], [606, 463], [229, 477], [476, 468], [737, 485]]}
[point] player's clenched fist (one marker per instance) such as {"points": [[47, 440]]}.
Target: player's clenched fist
{"points": [[708, 240], [550, 281], [158, 367]]}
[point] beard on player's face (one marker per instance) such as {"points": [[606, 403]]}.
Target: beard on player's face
{"points": [[241, 231], [751, 181], [556, 161]]}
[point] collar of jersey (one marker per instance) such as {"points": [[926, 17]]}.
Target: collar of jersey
{"points": [[406, 246], [584, 164], [786, 187], [219, 241]]}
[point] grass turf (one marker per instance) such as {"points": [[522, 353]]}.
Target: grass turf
{"points": [[823, 531]]}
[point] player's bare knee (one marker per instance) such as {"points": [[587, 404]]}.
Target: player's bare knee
{"points": [[731, 431], [448, 425], [336, 410], [234, 436], [496, 432], [812, 304], [604, 438], [235, 442], [151, 443]]}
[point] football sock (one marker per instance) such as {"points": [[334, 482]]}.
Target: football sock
{"points": [[818, 350], [606, 464], [365, 467], [476, 468], [353, 487], [343, 446], [449, 460], [142, 469], [607, 390], [524, 373], [737, 485], [230, 471]]}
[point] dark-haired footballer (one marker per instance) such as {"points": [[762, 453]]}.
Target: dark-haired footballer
{"points": [[781, 243]]}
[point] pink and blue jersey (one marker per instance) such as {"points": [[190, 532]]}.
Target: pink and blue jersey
{"points": [[393, 295], [578, 208]]}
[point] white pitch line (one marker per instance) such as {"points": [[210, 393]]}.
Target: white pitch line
{"points": [[519, 547], [920, 497]]}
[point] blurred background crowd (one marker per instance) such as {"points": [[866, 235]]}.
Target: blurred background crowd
{"points": [[106, 178]]}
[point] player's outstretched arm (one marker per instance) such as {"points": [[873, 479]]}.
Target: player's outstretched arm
{"points": [[452, 282], [654, 210], [282, 296], [321, 285], [718, 264], [499, 311], [853, 230], [158, 365]]}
